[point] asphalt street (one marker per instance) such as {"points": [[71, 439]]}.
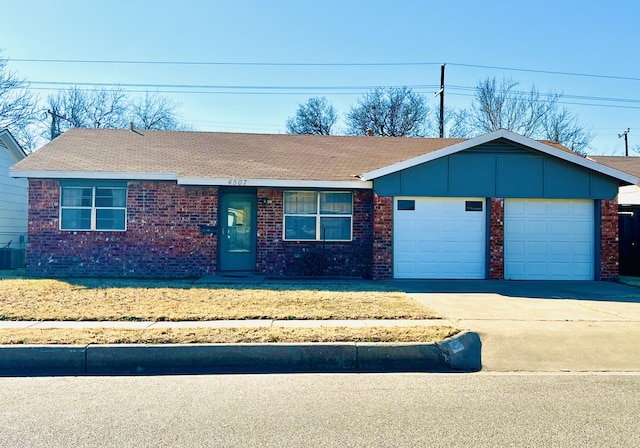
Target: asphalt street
{"points": [[327, 410]]}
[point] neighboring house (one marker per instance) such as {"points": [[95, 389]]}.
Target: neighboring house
{"points": [[13, 205], [184, 204], [628, 213]]}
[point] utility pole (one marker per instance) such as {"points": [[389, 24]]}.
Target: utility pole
{"points": [[55, 122], [441, 93], [625, 134]]}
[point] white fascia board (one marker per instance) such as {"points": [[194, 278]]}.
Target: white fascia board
{"points": [[115, 175], [275, 183], [11, 144], [508, 135]]}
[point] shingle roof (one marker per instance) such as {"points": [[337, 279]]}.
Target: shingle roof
{"points": [[202, 157], [225, 155], [629, 165]]}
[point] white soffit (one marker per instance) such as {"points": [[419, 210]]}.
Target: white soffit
{"points": [[284, 183]]}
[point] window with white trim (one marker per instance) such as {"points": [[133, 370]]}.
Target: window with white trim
{"points": [[318, 215], [93, 208]]}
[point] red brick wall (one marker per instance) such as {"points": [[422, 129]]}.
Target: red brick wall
{"points": [[294, 258], [609, 239], [496, 239], [382, 237], [163, 237]]}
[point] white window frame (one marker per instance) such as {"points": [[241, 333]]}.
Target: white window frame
{"points": [[318, 216], [94, 209]]}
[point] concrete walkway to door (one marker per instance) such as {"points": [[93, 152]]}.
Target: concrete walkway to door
{"points": [[541, 325]]}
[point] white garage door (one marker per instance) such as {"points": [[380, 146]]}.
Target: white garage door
{"points": [[439, 237], [548, 239]]}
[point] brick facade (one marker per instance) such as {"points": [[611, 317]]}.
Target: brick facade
{"points": [[164, 240], [609, 239], [163, 237], [279, 258], [382, 237], [496, 239]]}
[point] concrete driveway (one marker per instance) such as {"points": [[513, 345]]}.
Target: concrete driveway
{"points": [[540, 325]]}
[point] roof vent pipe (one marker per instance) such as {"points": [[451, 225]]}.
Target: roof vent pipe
{"points": [[369, 132], [131, 128]]}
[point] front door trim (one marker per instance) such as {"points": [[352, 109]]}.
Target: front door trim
{"points": [[238, 230]]}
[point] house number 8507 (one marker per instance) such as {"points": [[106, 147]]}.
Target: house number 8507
{"points": [[237, 181]]}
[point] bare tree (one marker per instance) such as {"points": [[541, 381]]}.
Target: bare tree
{"points": [[562, 126], [316, 116], [153, 111], [529, 113], [79, 108], [501, 106], [390, 112], [18, 107], [110, 108]]}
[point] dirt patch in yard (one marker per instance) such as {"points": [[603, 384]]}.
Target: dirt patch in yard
{"points": [[130, 300], [422, 334]]}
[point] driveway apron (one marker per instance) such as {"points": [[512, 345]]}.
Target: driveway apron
{"points": [[545, 326]]}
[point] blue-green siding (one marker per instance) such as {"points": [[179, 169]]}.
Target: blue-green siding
{"points": [[498, 169]]}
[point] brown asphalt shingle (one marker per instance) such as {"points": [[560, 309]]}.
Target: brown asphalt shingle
{"points": [[630, 165], [226, 155]]}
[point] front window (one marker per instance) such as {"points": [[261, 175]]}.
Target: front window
{"points": [[93, 208], [318, 215]]}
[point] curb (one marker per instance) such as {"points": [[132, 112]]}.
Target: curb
{"points": [[461, 353]]}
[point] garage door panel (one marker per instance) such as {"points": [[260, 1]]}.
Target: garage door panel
{"points": [[536, 269], [559, 248], [406, 226], [582, 229], [537, 228], [406, 247], [405, 268], [450, 240], [514, 270], [558, 241], [582, 249], [536, 249], [561, 209]]}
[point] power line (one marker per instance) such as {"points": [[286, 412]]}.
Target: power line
{"points": [[259, 64], [548, 72], [317, 64], [210, 86]]}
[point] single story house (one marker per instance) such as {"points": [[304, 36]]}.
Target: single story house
{"points": [[628, 213], [13, 205], [129, 203]]}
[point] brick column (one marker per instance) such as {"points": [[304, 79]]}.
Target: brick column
{"points": [[271, 259], [496, 239], [382, 237], [609, 239]]}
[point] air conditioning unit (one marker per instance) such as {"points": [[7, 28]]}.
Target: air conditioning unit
{"points": [[12, 258]]}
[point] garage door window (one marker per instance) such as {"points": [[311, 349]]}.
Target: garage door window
{"points": [[406, 204], [318, 215]]}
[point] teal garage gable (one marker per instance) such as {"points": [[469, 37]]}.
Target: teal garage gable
{"points": [[499, 168]]}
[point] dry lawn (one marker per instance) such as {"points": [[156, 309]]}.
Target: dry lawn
{"points": [[130, 300], [226, 335]]}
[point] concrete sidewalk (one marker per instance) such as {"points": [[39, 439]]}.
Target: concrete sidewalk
{"points": [[255, 323], [543, 326]]}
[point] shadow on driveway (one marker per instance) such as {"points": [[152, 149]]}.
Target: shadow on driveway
{"points": [[538, 289]]}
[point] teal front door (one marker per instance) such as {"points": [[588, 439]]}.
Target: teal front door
{"points": [[238, 232]]}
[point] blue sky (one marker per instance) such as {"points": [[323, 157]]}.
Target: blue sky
{"points": [[599, 39]]}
